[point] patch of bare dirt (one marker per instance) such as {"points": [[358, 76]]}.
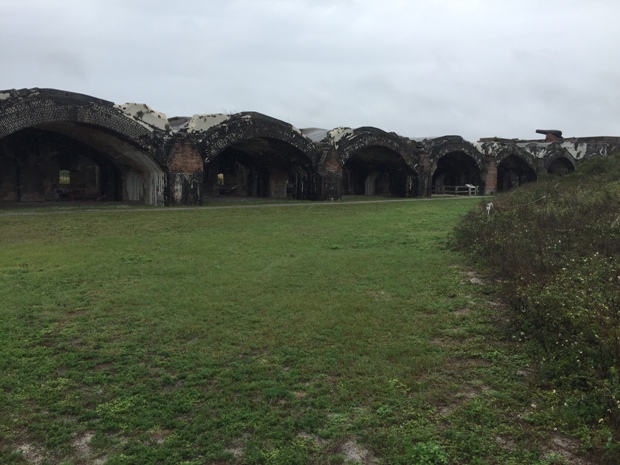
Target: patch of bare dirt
{"points": [[356, 453], [473, 278], [81, 444], [159, 436], [237, 452], [237, 448], [462, 311], [461, 398], [32, 453], [567, 448]]}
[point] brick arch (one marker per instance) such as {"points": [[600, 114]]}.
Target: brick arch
{"points": [[442, 146], [233, 129], [250, 154], [128, 143], [560, 156], [513, 172], [375, 162], [33, 107], [505, 151], [454, 163], [349, 141]]}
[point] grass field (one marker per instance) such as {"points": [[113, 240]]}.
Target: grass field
{"points": [[307, 334]]}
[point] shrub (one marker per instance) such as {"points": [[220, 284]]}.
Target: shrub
{"points": [[555, 246]]}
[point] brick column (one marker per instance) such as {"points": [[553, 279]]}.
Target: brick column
{"points": [[331, 173], [185, 174], [425, 176], [490, 177]]}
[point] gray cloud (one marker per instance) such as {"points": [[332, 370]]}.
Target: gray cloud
{"points": [[420, 68]]}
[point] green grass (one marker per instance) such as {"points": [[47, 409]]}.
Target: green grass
{"points": [[306, 334]]}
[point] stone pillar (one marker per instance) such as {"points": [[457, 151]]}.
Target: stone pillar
{"points": [[490, 177], [185, 174]]}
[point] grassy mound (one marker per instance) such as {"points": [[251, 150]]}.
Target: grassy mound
{"points": [[555, 246]]}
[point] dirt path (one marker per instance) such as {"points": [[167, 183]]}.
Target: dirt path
{"points": [[17, 209]]}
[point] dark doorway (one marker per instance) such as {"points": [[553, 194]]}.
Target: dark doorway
{"points": [[261, 167], [40, 165], [513, 172], [560, 166], [379, 171], [455, 170]]}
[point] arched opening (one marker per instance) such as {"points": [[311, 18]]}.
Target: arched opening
{"points": [[513, 172], [57, 145], [42, 165], [260, 167], [455, 172], [560, 166], [379, 171]]}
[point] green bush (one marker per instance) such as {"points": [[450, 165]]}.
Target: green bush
{"points": [[426, 453], [555, 246]]}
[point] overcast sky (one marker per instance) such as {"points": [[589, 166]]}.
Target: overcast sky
{"points": [[476, 68]]}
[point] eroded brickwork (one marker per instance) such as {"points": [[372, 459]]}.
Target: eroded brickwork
{"points": [[490, 185], [138, 154], [185, 158]]}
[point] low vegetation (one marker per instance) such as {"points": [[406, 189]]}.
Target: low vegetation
{"points": [[555, 247], [315, 333]]}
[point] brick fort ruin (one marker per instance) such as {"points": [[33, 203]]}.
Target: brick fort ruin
{"points": [[60, 146]]}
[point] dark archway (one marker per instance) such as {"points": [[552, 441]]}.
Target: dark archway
{"points": [[513, 172], [65, 146], [380, 171], [375, 162], [253, 155], [48, 166], [260, 167], [560, 166], [455, 170]]}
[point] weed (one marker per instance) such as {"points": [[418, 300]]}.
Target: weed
{"points": [[426, 453]]}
